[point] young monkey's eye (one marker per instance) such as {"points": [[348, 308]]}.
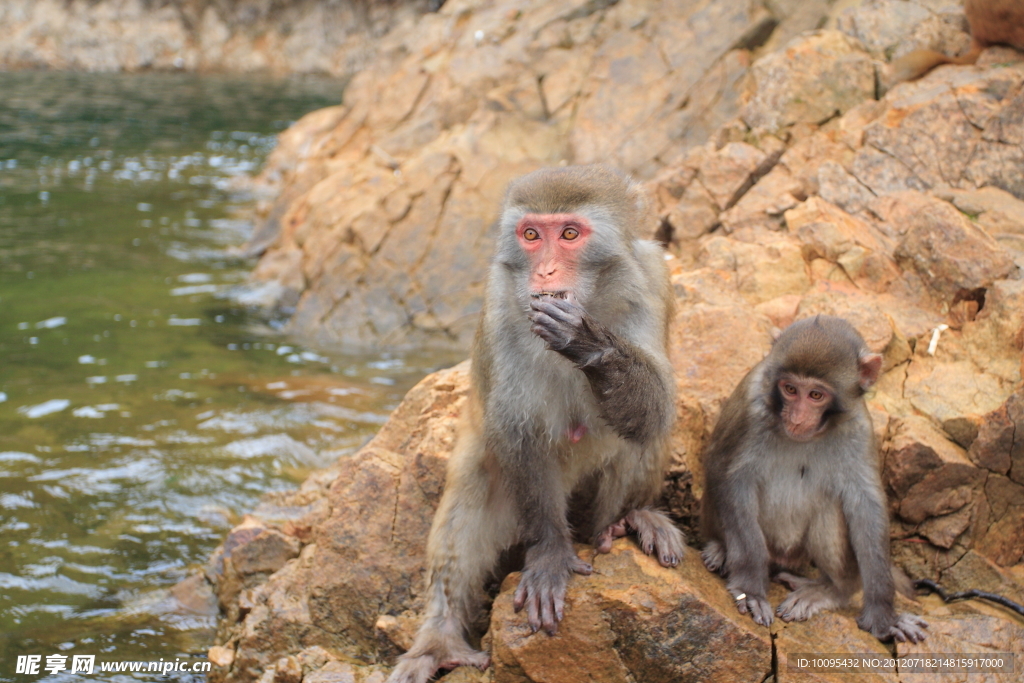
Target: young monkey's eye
{"points": [[789, 389], [570, 234], [530, 234], [816, 395]]}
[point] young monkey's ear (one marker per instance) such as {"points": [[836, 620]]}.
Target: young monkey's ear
{"points": [[869, 367]]}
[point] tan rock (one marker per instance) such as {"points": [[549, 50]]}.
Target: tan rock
{"points": [[953, 390], [765, 203], [943, 246], [288, 670], [369, 551], [763, 271], [837, 628], [814, 78], [928, 474], [221, 656], [632, 619], [967, 634], [996, 210]]}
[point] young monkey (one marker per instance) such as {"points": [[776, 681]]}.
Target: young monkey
{"points": [[570, 409], [792, 474]]}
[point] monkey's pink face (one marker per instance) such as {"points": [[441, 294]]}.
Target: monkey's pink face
{"points": [[552, 242], [804, 402]]}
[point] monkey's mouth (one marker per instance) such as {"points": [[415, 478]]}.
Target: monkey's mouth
{"points": [[564, 294]]}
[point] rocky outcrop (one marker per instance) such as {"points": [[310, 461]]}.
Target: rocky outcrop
{"points": [[306, 36], [325, 583], [380, 230], [903, 214]]}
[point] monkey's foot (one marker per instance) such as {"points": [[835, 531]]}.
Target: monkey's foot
{"points": [[757, 606], [884, 625], [419, 669], [655, 532], [713, 556], [542, 588], [809, 597], [909, 627]]}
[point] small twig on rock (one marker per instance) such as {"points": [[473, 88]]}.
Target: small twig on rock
{"points": [[968, 594]]}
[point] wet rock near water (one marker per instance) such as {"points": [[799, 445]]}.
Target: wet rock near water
{"points": [[902, 214]]}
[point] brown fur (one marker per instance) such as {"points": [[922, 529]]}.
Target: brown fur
{"points": [[593, 362]]}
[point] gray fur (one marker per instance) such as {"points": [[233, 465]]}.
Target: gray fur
{"points": [[773, 502], [515, 468]]}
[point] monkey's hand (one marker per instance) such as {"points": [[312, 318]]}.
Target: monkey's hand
{"points": [[542, 587], [632, 396], [886, 625], [567, 329]]}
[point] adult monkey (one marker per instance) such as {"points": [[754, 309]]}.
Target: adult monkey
{"points": [[570, 409], [792, 474]]}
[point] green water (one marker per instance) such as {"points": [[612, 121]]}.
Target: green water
{"points": [[141, 410]]}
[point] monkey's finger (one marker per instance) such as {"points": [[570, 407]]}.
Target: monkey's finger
{"points": [[533, 613], [547, 612], [555, 340], [519, 599], [559, 310], [604, 541], [580, 567], [559, 607]]}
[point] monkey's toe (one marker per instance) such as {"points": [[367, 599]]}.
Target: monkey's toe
{"points": [[713, 556], [603, 544], [909, 627], [480, 660], [657, 535], [759, 608]]}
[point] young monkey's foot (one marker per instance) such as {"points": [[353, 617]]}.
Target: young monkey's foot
{"points": [[909, 627], [809, 597], [420, 668], [542, 588], [655, 532], [757, 606]]}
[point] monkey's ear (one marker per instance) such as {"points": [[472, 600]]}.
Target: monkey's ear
{"points": [[869, 367]]}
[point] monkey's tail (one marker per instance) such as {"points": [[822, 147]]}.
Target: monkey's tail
{"points": [[919, 62], [933, 587]]}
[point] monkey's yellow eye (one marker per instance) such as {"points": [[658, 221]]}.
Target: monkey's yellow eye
{"points": [[570, 234], [530, 234], [816, 395], [789, 389]]}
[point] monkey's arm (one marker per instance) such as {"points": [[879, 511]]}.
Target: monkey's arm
{"points": [[868, 526], [621, 375]]}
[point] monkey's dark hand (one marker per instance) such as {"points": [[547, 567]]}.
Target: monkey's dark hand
{"points": [[887, 625], [542, 588], [567, 329]]}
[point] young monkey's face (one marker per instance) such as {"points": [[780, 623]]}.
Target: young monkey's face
{"points": [[805, 403]]}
